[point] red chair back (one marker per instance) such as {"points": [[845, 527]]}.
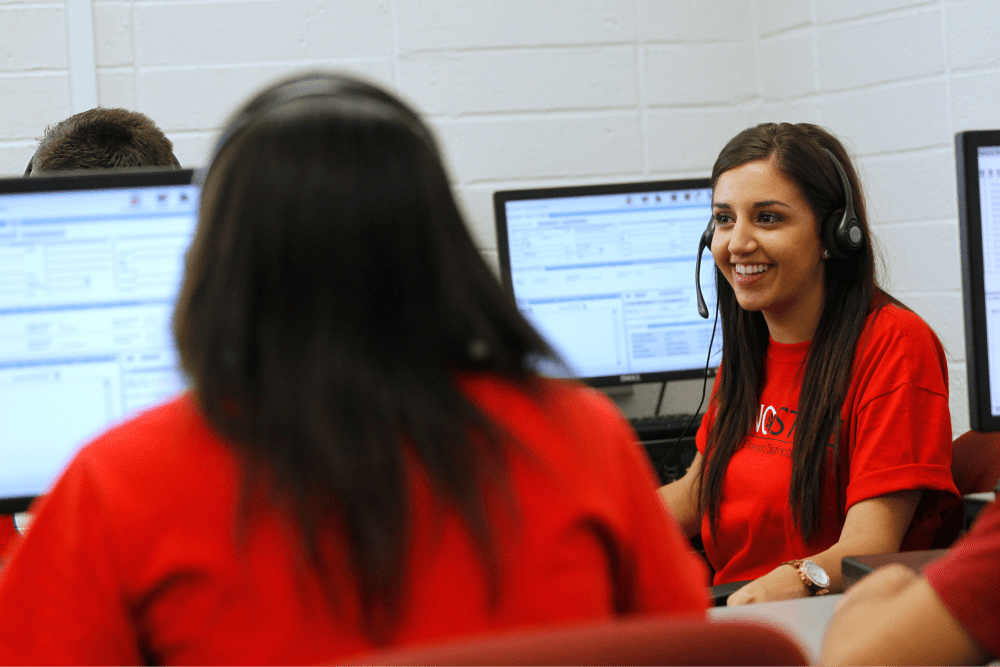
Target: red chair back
{"points": [[975, 461], [975, 465], [624, 642]]}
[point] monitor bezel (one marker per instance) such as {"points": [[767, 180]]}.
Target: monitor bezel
{"points": [[119, 179], [500, 199], [98, 179], [15, 505], [970, 222]]}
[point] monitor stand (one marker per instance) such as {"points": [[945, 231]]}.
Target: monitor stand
{"points": [[639, 400]]}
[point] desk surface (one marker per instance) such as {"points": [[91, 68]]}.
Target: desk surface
{"points": [[804, 619]]}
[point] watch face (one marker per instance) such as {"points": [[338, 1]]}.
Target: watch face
{"points": [[817, 574]]}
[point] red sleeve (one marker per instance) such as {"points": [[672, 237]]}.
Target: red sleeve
{"points": [[8, 531], [967, 580], [900, 424], [606, 489], [667, 575], [912, 450], [59, 582]]}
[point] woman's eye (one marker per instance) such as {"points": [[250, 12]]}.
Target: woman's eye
{"points": [[768, 218], [721, 219]]}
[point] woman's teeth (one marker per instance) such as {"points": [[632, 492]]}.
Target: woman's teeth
{"points": [[750, 269]]}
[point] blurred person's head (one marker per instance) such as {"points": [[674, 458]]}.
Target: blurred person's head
{"points": [[332, 300], [102, 139]]}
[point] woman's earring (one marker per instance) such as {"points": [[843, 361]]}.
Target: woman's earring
{"points": [[826, 254]]}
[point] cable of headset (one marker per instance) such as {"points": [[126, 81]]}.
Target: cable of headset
{"points": [[704, 388]]}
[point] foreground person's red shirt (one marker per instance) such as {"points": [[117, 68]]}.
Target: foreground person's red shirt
{"points": [[8, 531], [131, 557], [967, 580]]}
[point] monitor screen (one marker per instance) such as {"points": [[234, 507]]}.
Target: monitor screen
{"points": [[978, 160], [89, 268], [606, 273]]}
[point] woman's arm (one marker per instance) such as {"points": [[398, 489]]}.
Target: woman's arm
{"points": [[872, 526], [681, 498], [894, 617]]}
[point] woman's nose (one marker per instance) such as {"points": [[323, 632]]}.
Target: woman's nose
{"points": [[742, 240]]}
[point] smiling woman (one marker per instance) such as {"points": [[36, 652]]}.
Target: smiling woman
{"points": [[828, 433]]}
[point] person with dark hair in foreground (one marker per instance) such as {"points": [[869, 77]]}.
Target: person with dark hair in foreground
{"points": [[828, 433], [947, 615], [102, 138], [365, 457]]}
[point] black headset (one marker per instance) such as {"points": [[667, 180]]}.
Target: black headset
{"points": [[309, 86], [329, 87], [704, 242], [841, 231]]}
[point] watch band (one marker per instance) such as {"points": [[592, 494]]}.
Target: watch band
{"points": [[814, 587]]}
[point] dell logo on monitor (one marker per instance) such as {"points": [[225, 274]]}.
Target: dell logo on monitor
{"points": [[635, 377]]}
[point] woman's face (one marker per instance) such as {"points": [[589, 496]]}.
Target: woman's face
{"points": [[767, 245]]}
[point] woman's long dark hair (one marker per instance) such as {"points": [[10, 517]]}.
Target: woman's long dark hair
{"points": [[332, 296], [851, 291]]}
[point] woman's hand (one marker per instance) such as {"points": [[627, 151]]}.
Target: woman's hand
{"points": [[781, 583], [894, 617], [883, 584]]}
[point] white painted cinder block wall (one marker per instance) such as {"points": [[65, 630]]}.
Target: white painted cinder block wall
{"points": [[542, 92]]}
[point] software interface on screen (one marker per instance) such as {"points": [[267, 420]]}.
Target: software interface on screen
{"points": [[87, 286], [609, 279], [989, 202]]}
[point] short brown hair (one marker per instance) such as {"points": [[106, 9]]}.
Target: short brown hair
{"points": [[102, 138]]}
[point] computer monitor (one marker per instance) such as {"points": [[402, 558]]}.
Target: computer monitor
{"points": [[90, 265], [606, 273], [977, 156]]}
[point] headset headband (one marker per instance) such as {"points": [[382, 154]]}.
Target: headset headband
{"points": [[337, 89]]}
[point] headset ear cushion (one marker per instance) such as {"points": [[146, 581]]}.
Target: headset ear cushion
{"points": [[853, 237], [843, 237]]}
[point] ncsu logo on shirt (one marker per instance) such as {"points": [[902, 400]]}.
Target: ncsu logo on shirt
{"points": [[773, 422], [779, 424]]}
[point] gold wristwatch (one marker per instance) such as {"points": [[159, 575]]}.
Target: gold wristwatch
{"points": [[812, 575]]}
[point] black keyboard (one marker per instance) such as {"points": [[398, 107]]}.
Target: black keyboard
{"points": [[663, 427]]}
